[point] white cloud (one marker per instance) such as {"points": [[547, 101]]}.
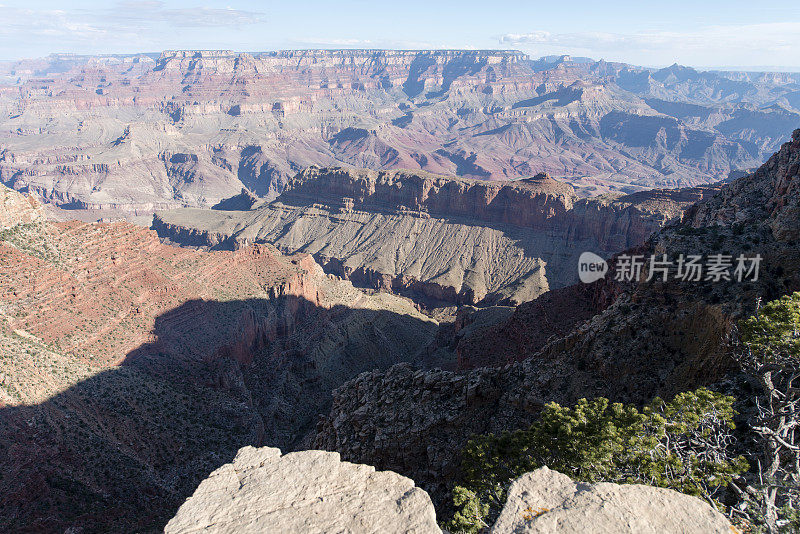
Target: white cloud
{"points": [[27, 22], [334, 42], [765, 44], [325, 42], [126, 26], [153, 12], [124, 17], [527, 38]]}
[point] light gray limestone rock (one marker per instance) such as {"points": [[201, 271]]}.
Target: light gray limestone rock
{"points": [[309, 492], [545, 501]]}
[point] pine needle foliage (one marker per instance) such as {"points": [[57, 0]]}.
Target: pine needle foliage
{"points": [[683, 444]]}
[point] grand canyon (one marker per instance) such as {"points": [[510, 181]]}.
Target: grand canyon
{"points": [[234, 277], [189, 129]]}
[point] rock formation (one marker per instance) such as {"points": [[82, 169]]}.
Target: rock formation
{"points": [[649, 338], [132, 134], [18, 209], [548, 502], [308, 491], [313, 491], [130, 369], [449, 239]]}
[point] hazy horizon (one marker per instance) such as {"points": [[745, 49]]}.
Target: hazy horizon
{"points": [[710, 36], [712, 68]]}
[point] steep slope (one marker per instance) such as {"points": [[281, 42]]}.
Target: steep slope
{"points": [[191, 128], [129, 369], [650, 338], [18, 209], [450, 239]]}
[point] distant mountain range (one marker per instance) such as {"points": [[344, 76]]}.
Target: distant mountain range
{"points": [[136, 133]]}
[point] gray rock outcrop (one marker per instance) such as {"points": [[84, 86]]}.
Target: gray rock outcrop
{"points": [[16, 208], [545, 501], [309, 492]]}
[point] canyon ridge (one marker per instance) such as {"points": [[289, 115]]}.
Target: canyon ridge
{"points": [[220, 271], [126, 135]]}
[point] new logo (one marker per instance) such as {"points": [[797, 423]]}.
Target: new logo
{"points": [[591, 267]]}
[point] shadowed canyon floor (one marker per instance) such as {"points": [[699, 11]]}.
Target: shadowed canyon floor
{"points": [[217, 350], [627, 341], [130, 369]]}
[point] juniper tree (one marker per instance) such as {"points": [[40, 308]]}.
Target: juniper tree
{"points": [[684, 444], [769, 353]]}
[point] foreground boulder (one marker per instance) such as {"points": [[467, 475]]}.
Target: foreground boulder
{"points": [[545, 501], [308, 491]]}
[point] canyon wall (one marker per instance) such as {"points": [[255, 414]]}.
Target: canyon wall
{"points": [[627, 341], [449, 239], [191, 128], [130, 369]]}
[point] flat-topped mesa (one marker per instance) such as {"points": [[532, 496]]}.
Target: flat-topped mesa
{"points": [[168, 55], [530, 202], [393, 56], [196, 53], [375, 60]]}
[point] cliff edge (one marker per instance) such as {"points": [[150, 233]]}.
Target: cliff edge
{"points": [[445, 238], [315, 492], [308, 491]]}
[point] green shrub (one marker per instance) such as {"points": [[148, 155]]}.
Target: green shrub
{"points": [[682, 444], [773, 334], [770, 355]]}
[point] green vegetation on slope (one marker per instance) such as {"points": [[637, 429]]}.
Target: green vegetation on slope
{"points": [[770, 356], [683, 444], [34, 239]]}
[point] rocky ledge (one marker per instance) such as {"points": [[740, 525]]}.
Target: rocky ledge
{"points": [[444, 238], [546, 501], [313, 491], [308, 491]]}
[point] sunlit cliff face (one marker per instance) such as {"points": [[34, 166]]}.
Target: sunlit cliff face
{"points": [[135, 135]]}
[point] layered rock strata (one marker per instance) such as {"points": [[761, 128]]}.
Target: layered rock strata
{"points": [[449, 239], [130, 369], [139, 133], [649, 338]]}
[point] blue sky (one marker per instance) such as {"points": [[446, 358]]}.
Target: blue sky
{"points": [[698, 33]]}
